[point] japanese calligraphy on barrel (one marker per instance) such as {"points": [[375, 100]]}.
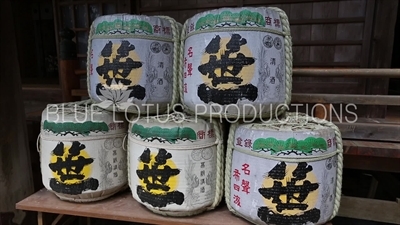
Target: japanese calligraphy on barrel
{"points": [[236, 62], [285, 171], [131, 63], [81, 151], [175, 164]]}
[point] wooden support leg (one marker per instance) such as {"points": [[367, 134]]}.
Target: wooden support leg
{"points": [[40, 218], [373, 187], [57, 219]]}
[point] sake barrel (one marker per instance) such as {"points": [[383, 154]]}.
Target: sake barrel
{"points": [[132, 61], [175, 164], [285, 171], [236, 63], [82, 157]]}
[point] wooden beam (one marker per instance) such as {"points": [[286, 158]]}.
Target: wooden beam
{"points": [[271, 2], [326, 64], [181, 7], [344, 72], [372, 163], [327, 21], [79, 92], [370, 209], [326, 42], [347, 99], [372, 148], [80, 72], [368, 131]]}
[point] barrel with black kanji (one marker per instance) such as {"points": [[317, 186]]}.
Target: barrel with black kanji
{"points": [[176, 164], [282, 173], [237, 62], [81, 151], [131, 63]]}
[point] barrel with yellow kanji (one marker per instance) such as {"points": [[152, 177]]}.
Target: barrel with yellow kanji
{"points": [[132, 61], [284, 171], [236, 62], [175, 164], [81, 151]]}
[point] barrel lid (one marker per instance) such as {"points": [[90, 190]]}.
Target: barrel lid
{"points": [[120, 24], [174, 128], [235, 17], [287, 137], [81, 119]]}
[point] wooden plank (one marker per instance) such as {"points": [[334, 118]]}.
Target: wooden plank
{"points": [[324, 86], [269, 2], [79, 92], [80, 72], [372, 144], [301, 54], [46, 93], [322, 10], [370, 209], [180, 7], [346, 98], [372, 148], [327, 21], [124, 208], [16, 180], [355, 8], [350, 31], [361, 162], [367, 131], [326, 42], [300, 12], [367, 33], [344, 72], [348, 53], [326, 64]]}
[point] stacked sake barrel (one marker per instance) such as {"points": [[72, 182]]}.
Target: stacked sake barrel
{"points": [[284, 171], [132, 63], [81, 152], [176, 164], [236, 63]]}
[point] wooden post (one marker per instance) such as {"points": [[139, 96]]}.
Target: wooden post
{"points": [[15, 165], [381, 50], [67, 65]]}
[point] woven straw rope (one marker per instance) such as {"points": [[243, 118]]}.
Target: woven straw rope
{"points": [[176, 29], [86, 197], [288, 59], [339, 152], [219, 178]]}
